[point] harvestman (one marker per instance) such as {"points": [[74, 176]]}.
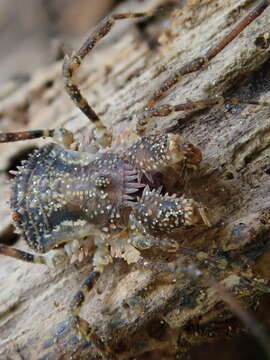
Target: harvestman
{"points": [[63, 196]]}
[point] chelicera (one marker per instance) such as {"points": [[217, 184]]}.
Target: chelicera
{"points": [[67, 194]]}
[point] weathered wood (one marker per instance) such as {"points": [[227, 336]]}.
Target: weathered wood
{"points": [[133, 309]]}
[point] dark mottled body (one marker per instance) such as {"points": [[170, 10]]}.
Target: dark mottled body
{"points": [[60, 195]]}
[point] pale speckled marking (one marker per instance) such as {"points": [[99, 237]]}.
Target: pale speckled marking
{"points": [[150, 154], [157, 214]]}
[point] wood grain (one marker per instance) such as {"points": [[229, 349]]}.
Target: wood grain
{"points": [[136, 311]]}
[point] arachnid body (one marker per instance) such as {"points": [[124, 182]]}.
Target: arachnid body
{"points": [[62, 196], [107, 193]]}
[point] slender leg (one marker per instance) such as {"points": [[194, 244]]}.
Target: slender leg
{"points": [[53, 258], [195, 65], [82, 326], [73, 62], [59, 135], [166, 109]]}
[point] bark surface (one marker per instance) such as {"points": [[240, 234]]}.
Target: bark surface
{"points": [[136, 311]]}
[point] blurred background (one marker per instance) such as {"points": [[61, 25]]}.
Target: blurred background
{"points": [[33, 33]]}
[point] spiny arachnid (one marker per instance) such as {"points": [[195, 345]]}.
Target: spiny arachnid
{"points": [[67, 194]]}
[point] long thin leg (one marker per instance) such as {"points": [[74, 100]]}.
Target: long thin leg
{"points": [[83, 328], [62, 136], [73, 62], [166, 109], [197, 64], [53, 258]]}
